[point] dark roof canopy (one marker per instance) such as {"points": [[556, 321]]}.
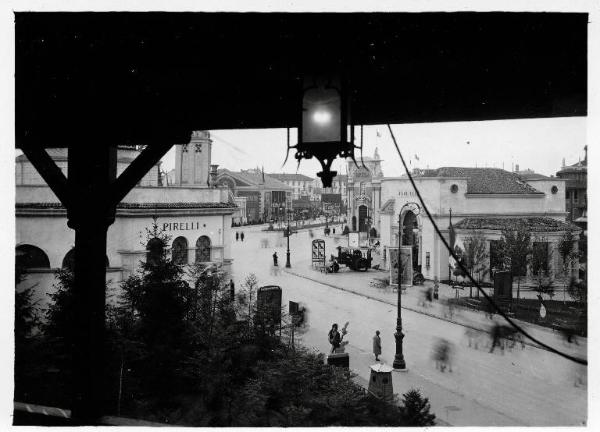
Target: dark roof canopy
{"points": [[144, 78], [532, 224], [283, 177], [484, 180]]}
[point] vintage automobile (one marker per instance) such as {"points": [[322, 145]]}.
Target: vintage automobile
{"points": [[353, 258]]}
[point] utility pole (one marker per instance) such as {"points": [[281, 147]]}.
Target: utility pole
{"points": [[287, 261], [399, 362]]}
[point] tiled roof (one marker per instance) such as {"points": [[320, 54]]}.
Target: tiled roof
{"points": [[290, 177], [177, 205], [484, 180], [577, 167], [531, 175], [253, 178], [534, 224]]}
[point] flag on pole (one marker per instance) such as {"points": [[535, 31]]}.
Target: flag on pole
{"points": [[452, 234], [452, 241]]}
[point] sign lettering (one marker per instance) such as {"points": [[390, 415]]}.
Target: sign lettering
{"points": [[180, 226]]}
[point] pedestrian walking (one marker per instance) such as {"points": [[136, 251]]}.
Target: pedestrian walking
{"points": [[334, 231], [377, 345], [442, 352], [335, 339], [275, 259], [242, 236], [231, 289], [237, 235]]}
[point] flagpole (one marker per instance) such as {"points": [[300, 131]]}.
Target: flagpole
{"points": [[451, 245]]}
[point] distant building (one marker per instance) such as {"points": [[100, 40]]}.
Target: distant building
{"points": [[339, 186], [483, 200], [364, 193], [576, 197], [302, 186], [266, 197]]}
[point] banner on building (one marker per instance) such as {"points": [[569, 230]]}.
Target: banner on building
{"points": [[353, 240], [407, 270], [318, 252]]}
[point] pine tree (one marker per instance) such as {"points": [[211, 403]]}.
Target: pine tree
{"points": [[416, 409]]}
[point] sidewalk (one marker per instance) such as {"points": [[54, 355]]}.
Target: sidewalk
{"points": [[359, 283]]}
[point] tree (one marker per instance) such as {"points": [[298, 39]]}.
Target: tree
{"points": [[566, 249], [416, 409], [457, 270], [541, 256], [149, 329], [26, 311], [476, 257], [577, 289], [296, 388], [514, 251]]}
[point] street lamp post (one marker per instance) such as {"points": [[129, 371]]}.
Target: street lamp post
{"points": [[287, 261], [399, 362]]}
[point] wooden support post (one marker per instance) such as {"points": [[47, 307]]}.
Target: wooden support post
{"points": [[90, 194], [51, 174], [136, 171], [91, 172]]}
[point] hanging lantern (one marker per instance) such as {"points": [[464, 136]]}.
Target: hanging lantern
{"points": [[323, 131]]}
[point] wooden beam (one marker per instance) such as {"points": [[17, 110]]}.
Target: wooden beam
{"points": [[51, 173], [136, 171]]}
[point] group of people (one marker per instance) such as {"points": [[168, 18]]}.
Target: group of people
{"points": [[239, 236], [337, 343]]}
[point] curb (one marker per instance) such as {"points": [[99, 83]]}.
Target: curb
{"points": [[403, 307]]}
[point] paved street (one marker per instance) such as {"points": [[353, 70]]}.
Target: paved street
{"points": [[523, 387]]}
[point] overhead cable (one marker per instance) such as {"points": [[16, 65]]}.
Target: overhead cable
{"points": [[465, 271]]}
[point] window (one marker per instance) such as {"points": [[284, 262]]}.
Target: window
{"points": [[28, 256], [179, 251], [155, 249], [203, 249]]}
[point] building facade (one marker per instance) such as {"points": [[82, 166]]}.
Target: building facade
{"points": [[576, 197], [196, 217], [266, 198], [302, 186], [364, 193], [480, 200]]}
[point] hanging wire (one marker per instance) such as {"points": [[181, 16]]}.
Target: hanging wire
{"points": [[287, 153], [465, 271]]}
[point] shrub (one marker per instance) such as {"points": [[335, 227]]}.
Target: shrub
{"points": [[416, 409]]}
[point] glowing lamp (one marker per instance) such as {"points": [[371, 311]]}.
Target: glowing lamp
{"points": [[324, 123]]}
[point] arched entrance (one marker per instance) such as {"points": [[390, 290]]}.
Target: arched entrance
{"points": [[362, 218], [410, 236]]}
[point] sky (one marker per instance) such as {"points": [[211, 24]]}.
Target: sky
{"points": [[537, 144]]}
